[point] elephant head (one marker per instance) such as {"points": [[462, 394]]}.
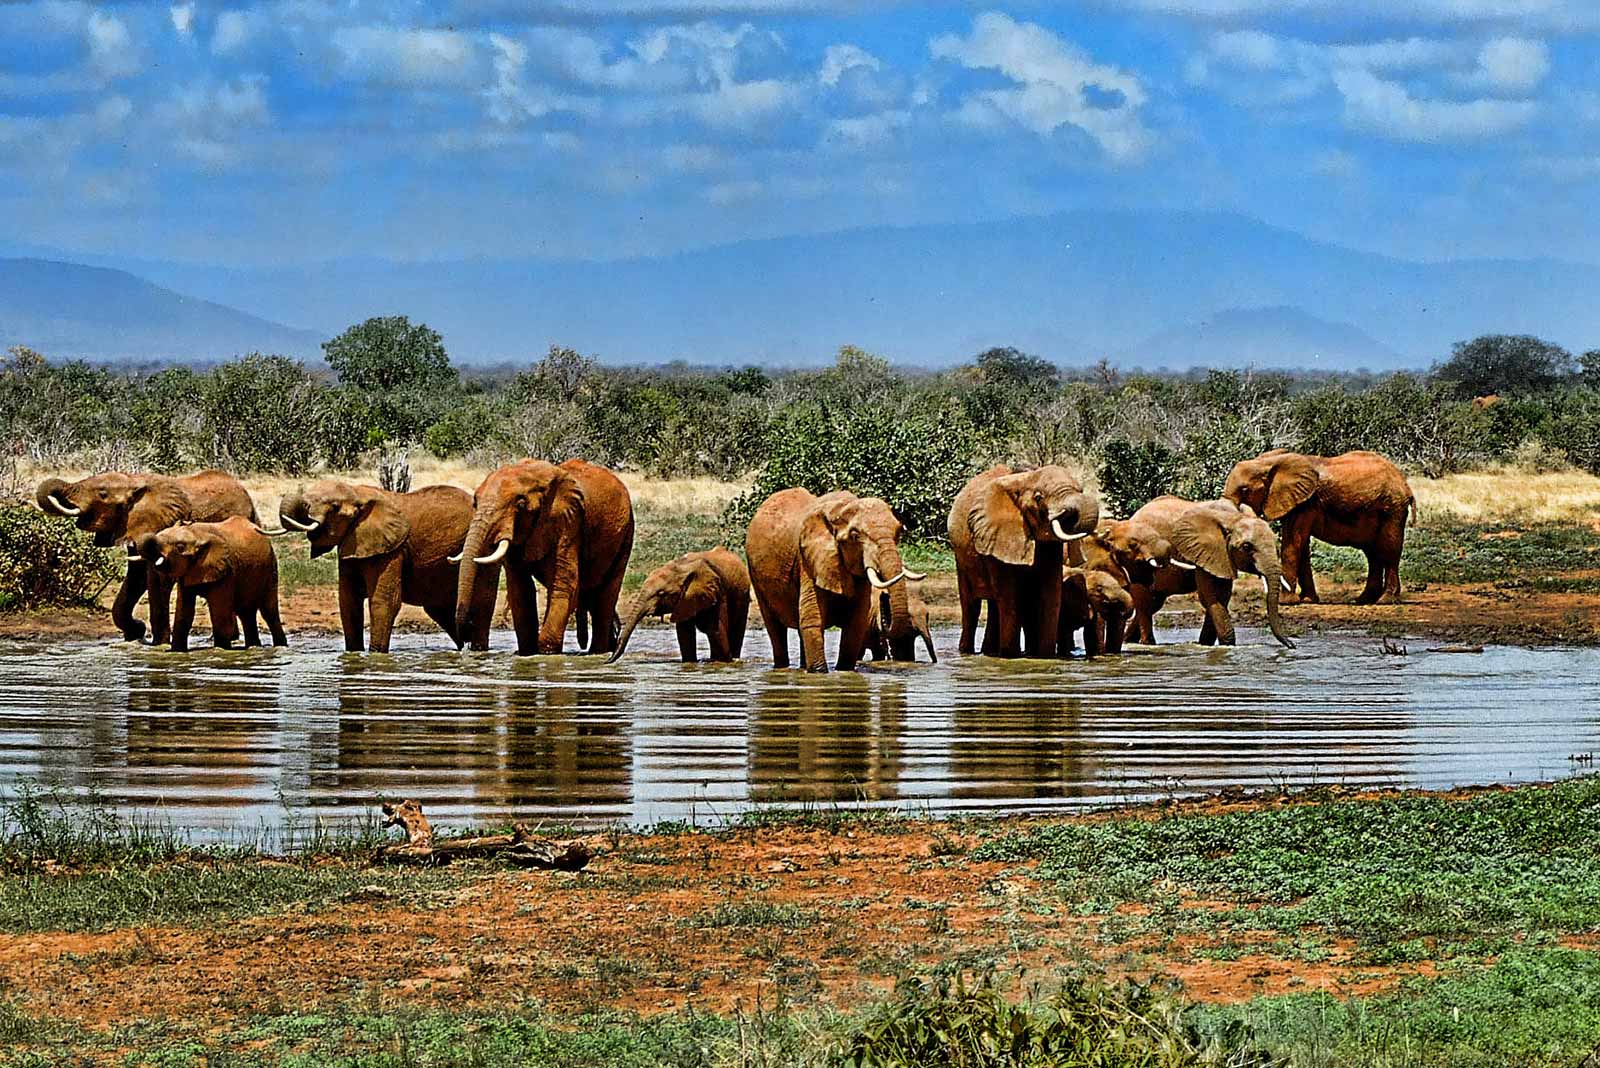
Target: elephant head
{"points": [[187, 555], [845, 539], [114, 507], [360, 521], [1024, 508], [1133, 542], [1105, 594], [1274, 483], [1222, 540], [525, 505], [681, 589], [920, 625]]}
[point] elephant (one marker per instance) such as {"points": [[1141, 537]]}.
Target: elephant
{"points": [[1220, 539], [1008, 528], [121, 509], [1356, 498], [394, 549], [1097, 603], [705, 591], [570, 526], [232, 565], [901, 646], [815, 563]]}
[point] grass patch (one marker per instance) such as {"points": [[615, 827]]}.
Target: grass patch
{"points": [[1475, 552], [661, 534], [753, 913], [1492, 866]]}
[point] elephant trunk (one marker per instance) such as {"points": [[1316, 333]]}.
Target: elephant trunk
{"points": [[1272, 575], [897, 595], [1077, 517], [641, 608], [52, 498], [468, 575]]}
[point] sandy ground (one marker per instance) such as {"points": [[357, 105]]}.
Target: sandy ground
{"points": [[657, 923]]}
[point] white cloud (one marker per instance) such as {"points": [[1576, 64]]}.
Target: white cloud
{"points": [[862, 131], [1561, 15], [1390, 110], [111, 49], [182, 19], [842, 57], [232, 31], [1059, 85], [741, 105], [725, 193], [1513, 63], [408, 58], [211, 121]]}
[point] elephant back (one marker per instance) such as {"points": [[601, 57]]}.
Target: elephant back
{"points": [[214, 496], [438, 517]]}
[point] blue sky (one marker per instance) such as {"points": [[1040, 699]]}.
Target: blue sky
{"points": [[293, 130]]}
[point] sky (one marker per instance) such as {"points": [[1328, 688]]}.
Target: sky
{"points": [[286, 131]]}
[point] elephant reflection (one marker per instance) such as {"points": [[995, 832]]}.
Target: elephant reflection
{"points": [[838, 738], [204, 734], [1017, 747]]}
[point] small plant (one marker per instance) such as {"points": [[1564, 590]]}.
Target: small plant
{"points": [[48, 561]]}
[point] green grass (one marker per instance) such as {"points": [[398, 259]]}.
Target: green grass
{"points": [[1490, 868], [296, 569], [1462, 553]]}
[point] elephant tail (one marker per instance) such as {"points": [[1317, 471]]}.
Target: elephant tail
{"points": [[1412, 505]]}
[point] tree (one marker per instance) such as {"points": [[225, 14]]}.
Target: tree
{"points": [[1505, 363], [389, 353], [1589, 368]]}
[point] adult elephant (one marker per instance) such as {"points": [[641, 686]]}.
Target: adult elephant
{"points": [[1356, 498], [122, 509], [815, 562], [570, 527], [1221, 539], [394, 549], [1008, 529], [708, 592]]}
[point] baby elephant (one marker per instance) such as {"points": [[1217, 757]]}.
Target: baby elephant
{"points": [[900, 646], [706, 591], [1095, 602], [232, 564]]}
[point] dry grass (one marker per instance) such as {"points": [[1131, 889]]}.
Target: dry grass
{"points": [[1507, 494]]}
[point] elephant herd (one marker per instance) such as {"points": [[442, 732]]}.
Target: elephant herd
{"points": [[1035, 558]]}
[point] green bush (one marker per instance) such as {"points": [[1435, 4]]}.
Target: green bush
{"points": [[1133, 475], [262, 414], [468, 425], [46, 560]]}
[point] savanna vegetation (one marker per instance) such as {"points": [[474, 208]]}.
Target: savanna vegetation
{"points": [[1321, 929]]}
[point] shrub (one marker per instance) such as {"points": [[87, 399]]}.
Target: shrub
{"points": [[45, 560], [1133, 475], [466, 426], [262, 414], [390, 353]]}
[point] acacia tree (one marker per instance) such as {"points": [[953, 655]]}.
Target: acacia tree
{"points": [[388, 353], [1505, 363]]}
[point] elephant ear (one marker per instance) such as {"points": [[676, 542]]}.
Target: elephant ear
{"points": [[158, 503], [212, 561], [702, 588], [380, 527], [819, 545], [565, 497], [1199, 537], [998, 529], [1294, 480]]}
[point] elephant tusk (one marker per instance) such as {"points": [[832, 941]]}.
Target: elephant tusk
{"points": [[456, 559], [64, 509], [273, 533], [877, 580], [291, 521], [496, 556], [1157, 563], [1286, 587], [1180, 563], [1061, 531], [1266, 587], [161, 561], [914, 576]]}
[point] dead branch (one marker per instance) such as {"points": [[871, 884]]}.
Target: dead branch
{"points": [[522, 847]]}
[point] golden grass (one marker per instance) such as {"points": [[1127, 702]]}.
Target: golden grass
{"points": [[1508, 494]]}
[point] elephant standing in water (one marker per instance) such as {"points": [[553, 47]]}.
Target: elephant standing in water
{"points": [[707, 592], [569, 526], [394, 549], [902, 646], [1008, 529], [1220, 539], [815, 562], [120, 509], [232, 565], [1104, 567], [1356, 498]]}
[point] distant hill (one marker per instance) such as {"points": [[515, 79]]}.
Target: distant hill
{"points": [[1282, 337], [68, 310], [1071, 287]]}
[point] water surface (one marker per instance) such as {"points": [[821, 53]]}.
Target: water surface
{"points": [[219, 739]]}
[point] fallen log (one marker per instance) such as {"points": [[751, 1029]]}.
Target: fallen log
{"points": [[522, 847]]}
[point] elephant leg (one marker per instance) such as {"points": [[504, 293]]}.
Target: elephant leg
{"points": [[270, 615], [383, 592], [853, 635], [1141, 628], [483, 598], [1009, 629], [969, 615], [717, 622], [991, 628], [1091, 636], [1214, 596], [220, 602], [1308, 582], [183, 620], [160, 594], [128, 594], [352, 597], [777, 633], [558, 604], [583, 629], [523, 600], [686, 643], [247, 623], [1044, 610], [1374, 587], [1391, 547], [813, 650], [1294, 553], [603, 605], [1112, 626], [737, 613]]}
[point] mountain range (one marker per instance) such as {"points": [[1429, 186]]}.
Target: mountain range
{"points": [[1147, 289]]}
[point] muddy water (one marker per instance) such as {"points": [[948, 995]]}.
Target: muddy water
{"points": [[219, 740]]}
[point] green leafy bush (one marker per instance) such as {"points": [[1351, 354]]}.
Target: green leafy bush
{"points": [[45, 560], [1131, 475]]}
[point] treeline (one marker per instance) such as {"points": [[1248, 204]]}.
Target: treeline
{"points": [[911, 437]]}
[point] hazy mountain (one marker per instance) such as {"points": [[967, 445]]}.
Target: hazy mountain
{"points": [[71, 310], [1071, 287], [1287, 338]]}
